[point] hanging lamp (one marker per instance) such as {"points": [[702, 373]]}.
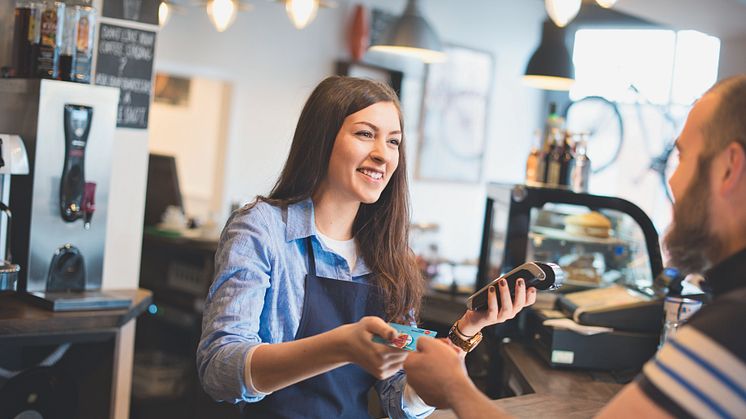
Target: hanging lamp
{"points": [[412, 36], [550, 67]]}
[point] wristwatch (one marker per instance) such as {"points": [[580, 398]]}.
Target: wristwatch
{"points": [[467, 344]]}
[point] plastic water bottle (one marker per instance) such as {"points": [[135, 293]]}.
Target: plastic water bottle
{"points": [[677, 311]]}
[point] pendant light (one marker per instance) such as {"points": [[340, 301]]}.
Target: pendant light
{"points": [[412, 36], [301, 12], [164, 14], [562, 11], [606, 4], [550, 67], [222, 13]]}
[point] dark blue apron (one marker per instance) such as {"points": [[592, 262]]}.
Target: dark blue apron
{"points": [[339, 393]]}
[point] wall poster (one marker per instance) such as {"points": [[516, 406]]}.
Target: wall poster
{"points": [[453, 119]]}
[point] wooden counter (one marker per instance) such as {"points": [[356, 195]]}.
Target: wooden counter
{"points": [[99, 359], [21, 319], [547, 392]]}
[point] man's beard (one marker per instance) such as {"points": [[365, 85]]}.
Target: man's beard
{"points": [[690, 243]]}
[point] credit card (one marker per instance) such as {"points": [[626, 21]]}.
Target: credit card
{"points": [[407, 338]]}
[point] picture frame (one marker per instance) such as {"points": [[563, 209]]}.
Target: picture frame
{"points": [[453, 119]]}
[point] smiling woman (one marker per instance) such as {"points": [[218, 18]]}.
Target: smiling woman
{"points": [[306, 276]]}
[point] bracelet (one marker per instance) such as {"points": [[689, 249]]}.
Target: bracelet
{"points": [[455, 325]]}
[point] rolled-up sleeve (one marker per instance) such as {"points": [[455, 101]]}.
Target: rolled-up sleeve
{"points": [[391, 393], [230, 322]]}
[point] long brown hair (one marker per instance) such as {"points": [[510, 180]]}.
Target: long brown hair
{"points": [[381, 229]]}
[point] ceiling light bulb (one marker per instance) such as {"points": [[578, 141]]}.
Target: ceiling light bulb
{"points": [[222, 13], [301, 12], [562, 11], [606, 4], [164, 13]]}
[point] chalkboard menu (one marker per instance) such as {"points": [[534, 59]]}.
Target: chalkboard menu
{"points": [[125, 60]]}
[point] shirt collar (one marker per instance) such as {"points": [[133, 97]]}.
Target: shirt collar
{"points": [[729, 274], [300, 222]]}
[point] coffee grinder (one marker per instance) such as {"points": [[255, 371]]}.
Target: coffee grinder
{"points": [[60, 210]]}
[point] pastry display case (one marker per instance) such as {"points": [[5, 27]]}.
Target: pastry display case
{"points": [[597, 240]]}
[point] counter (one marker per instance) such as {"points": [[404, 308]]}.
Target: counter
{"points": [[546, 392]]}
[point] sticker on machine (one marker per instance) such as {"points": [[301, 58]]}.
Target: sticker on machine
{"points": [[563, 357]]}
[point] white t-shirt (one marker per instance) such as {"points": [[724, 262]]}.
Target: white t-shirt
{"points": [[345, 248]]}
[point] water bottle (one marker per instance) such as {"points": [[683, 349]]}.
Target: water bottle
{"points": [[677, 310]]}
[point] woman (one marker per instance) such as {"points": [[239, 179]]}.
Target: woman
{"points": [[308, 274]]}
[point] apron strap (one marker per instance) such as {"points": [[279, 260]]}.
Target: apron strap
{"points": [[311, 258]]}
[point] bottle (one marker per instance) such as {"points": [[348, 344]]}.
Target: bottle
{"points": [[52, 16], [554, 121], [84, 43], [554, 159], [67, 43], [581, 170], [677, 311], [24, 29], [567, 160], [533, 164]]}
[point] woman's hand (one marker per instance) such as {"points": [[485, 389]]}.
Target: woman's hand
{"points": [[379, 360], [473, 321]]}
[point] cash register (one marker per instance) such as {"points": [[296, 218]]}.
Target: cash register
{"points": [[606, 315]]}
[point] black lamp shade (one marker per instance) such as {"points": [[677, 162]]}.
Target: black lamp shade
{"points": [[551, 67], [411, 35]]}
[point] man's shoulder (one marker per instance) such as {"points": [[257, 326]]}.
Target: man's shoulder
{"points": [[723, 321]]}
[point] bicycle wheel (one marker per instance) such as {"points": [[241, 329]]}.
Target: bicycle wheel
{"points": [[602, 121]]}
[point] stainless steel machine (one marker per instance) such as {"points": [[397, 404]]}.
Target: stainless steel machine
{"points": [[60, 210]]}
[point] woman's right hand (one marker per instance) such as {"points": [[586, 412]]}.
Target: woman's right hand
{"points": [[377, 359]]}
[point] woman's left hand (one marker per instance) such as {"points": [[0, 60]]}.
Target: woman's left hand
{"points": [[473, 321]]}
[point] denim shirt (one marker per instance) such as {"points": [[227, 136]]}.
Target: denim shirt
{"points": [[257, 297]]}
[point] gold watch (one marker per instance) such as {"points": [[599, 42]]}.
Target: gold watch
{"points": [[466, 344]]}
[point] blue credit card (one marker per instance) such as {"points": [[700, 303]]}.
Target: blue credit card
{"points": [[407, 338]]}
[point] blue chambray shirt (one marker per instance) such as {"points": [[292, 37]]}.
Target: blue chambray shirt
{"points": [[257, 297]]}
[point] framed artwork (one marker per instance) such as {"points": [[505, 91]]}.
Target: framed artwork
{"points": [[171, 90], [369, 71], [453, 120]]}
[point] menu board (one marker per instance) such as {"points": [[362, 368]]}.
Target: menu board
{"points": [[125, 60]]}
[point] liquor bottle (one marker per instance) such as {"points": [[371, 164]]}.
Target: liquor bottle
{"points": [[581, 171], [567, 160], [554, 121], [84, 43], [554, 159], [24, 31], [51, 23], [67, 44], [533, 162]]}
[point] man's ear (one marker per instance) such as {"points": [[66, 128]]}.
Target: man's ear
{"points": [[734, 173]]}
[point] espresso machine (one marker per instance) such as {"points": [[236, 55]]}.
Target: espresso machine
{"points": [[60, 210]]}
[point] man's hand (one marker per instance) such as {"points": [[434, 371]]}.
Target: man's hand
{"points": [[436, 372]]}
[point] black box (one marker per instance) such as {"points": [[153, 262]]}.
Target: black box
{"points": [[617, 350]]}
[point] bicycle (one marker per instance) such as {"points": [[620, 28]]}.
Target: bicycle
{"points": [[604, 124]]}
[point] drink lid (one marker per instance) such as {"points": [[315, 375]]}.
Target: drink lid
{"points": [[679, 309]]}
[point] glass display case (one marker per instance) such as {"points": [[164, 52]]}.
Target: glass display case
{"points": [[597, 240]]}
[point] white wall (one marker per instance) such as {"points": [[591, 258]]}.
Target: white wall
{"points": [[192, 132], [732, 57], [273, 67]]}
